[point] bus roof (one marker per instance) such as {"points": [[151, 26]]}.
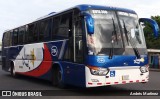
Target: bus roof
{"points": [[84, 7]]}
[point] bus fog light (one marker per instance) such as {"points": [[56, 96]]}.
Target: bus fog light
{"points": [[144, 69]]}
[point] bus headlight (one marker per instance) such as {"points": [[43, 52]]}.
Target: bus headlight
{"points": [[98, 71], [144, 69]]}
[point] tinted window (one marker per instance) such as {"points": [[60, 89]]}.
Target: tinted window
{"points": [[30, 33], [15, 37], [62, 26], [7, 39], [48, 28], [26, 34], [55, 27], [45, 30], [35, 33], [63, 29], [21, 35]]}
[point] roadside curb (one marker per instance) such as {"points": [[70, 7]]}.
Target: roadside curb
{"points": [[152, 69]]}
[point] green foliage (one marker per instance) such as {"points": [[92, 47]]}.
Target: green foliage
{"points": [[151, 42]]}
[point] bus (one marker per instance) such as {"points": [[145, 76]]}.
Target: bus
{"points": [[84, 46]]}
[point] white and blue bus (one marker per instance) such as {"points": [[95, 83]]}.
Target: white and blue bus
{"points": [[85, 46]]}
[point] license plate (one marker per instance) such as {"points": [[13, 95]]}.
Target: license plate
{"points": [[125, 77]]}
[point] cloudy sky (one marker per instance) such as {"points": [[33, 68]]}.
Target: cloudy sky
{"points": [[14, 13]]}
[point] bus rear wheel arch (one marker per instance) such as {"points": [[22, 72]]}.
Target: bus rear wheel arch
{"points": [[57, 76]]}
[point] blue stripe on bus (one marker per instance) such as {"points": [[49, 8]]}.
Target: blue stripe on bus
{"points": [[104, 61]]}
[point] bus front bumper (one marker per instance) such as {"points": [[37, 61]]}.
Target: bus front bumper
{"points": [[116, 75]]}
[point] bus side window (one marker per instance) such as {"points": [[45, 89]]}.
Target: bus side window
{"points": [[15, 37], [30, 33], [10, 38], [35, 33], [5, 39], [21, 35], [53, 29], [63, 29], [47, 36], [26, 34], [55, 26], [42, 30]]}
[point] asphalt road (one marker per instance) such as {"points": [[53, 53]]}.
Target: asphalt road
{"points": [[28, 83]]}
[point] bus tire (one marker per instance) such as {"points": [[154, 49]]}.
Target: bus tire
{"points": [[13, 73], [57, 77]]}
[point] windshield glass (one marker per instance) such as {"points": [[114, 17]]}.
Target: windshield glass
{"points": [[106, 29], [132, 30], [109, 33]]}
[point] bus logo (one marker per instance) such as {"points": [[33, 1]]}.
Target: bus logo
{"points": [[54, 51], [6, 93], [138, 61], [101, 60]]}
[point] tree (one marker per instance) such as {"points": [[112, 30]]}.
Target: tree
{"points": [[151, 42]]}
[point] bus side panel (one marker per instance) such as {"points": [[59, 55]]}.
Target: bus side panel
{"points": [[56, 50], [4, 59], [33, 60], [10, 54], [36, 59], [74, 74]]}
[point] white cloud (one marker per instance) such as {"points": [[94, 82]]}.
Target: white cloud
{"points": [[14, 13]]}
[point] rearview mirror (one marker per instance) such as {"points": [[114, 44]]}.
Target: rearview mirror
{"points": [[153, 23], [90, 24]]}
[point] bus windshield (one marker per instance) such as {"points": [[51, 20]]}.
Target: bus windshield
{"points": [[119, 31]]}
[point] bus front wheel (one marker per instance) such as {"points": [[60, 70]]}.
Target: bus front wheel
{"points": [[57, 77]]}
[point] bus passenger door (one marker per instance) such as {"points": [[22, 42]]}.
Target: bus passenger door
{"points": [[74, 69], [79, 67], [78, 42]]}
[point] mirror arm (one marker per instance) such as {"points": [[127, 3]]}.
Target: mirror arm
{"points": [[153, 23], [89, 22]]}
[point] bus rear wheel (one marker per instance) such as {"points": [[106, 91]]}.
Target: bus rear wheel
{"points": [[13, 72]]}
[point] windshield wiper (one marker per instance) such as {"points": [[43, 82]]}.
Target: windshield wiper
{"points": [[129, 39], [125, 32], [111, 50], [114, 32]]}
